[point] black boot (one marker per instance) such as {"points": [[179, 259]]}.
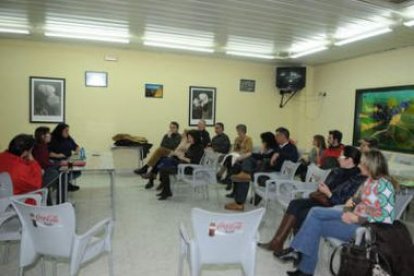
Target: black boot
{"points": [[150, 184], [141, 170], [166, 191], [72, 187]]}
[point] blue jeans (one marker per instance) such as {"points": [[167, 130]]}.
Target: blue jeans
{"points": [[320, 222]]}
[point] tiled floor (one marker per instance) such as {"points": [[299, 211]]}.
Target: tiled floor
{"points": [[145, 240]]}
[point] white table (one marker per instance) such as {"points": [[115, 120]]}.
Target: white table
{"points": [[139, 149], [96, 162]]}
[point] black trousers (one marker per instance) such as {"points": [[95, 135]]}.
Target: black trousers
{"points": [[300, 209], [165, 178], [241, 189]]}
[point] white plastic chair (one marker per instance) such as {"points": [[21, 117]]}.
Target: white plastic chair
{"points": [[287, 190], [287, 172], [10, 226], [231, 240], [50, 232], [203, 174]]}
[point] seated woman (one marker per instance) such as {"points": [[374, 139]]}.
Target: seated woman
{"points": [[340, 185], [242, 148], [61, 148], [314, 157], [179, 151], [256, 162], [192, 156], [373, 203], [41, 155]]}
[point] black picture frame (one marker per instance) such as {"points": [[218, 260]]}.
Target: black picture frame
{"points": [[202, 105], [247, 85], [47, 98], [96, 79], [386, 114]]}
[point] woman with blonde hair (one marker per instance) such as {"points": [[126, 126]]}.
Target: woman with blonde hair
{"points": [[374, 203]]}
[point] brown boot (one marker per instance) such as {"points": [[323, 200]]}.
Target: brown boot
{"points": [[234, 207], [284, 230]]}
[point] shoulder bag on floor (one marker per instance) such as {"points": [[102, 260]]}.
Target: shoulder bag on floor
{"points": [[360, 260]]}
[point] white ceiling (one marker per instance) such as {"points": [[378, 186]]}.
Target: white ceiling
{"points": [[274, 27]]}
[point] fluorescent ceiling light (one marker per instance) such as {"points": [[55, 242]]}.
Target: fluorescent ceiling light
{"points": [[14, 31], [309, 52], [178, 38], [88, 37], [177, 46], [409, 23], [362, 36], [247, 54], [66, 27]]}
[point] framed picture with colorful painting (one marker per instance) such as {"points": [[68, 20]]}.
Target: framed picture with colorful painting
{"points": [[202, 105], [386, 114], [47, 100]]}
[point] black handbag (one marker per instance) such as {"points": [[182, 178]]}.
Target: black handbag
{"points": [[360, 260]]}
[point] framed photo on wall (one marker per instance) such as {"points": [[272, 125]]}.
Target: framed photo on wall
{"points": [[386, 114], [247, 85], [154, 90], [202, 105], [96, 79], [47, 100]]}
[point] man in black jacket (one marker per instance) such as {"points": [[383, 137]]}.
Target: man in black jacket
{"points": [[168, 144], [221, 142], [284, 151], [205, 136]]}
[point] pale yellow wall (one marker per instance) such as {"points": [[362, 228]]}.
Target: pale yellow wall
{"points": [[339, 80], [95, 114]]}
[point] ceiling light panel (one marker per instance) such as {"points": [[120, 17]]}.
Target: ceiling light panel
{"points": [[88, 29], [14, 22], [178, 38]]}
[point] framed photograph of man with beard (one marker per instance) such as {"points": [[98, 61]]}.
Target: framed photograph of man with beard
{"points": [[202, 105], [47, 100]]}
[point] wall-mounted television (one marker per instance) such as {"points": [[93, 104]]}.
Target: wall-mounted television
{"points": [[386, 114], [290, 79]]}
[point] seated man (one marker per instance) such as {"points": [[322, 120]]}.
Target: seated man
{"points": [[169, 143], [18, 161], [221, 142], [205, 136], [340, 185], [330, 155], [284, 151]]}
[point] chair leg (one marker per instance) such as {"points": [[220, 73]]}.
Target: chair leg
{"points": [[43, 266], [111, 263], [6, 252], [21, 271], [54, 272]]}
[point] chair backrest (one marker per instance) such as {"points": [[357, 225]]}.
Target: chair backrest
{"points": [[210, 159], [224, 238], [401, 203], [47, 230], [316, 174], [6, 185], [289, 169]]}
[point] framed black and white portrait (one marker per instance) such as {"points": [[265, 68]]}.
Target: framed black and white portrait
{"points": [[47, 100], [202, 105]]}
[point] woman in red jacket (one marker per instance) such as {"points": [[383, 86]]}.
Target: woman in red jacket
{"points": [[18, 161]]}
